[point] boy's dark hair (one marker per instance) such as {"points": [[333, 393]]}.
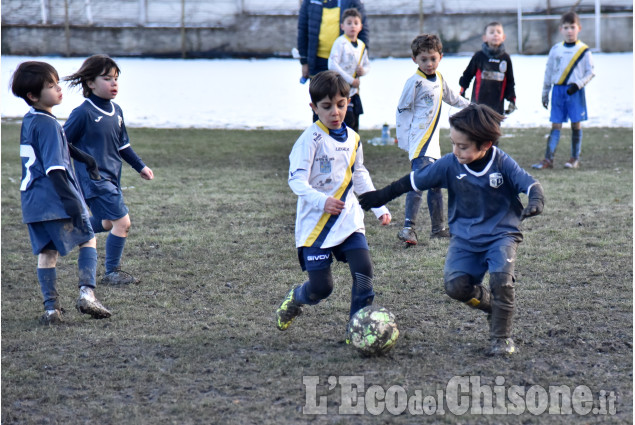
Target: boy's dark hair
{"points": [[480, 123], [426, 42], [492, 24], [570, 18], [92, 68], [328, 84], [351, 12], [30, 77]]}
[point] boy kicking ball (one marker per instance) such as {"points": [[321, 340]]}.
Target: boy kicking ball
{"points": [[326, 167], [52, 205], [483, 184]]}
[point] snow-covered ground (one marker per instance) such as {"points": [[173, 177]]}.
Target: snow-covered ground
{"points": [[250, 94]]}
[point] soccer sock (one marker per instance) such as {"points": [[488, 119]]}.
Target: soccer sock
{"points": [[48, 278], [552, 144], [87, 266], [576, 143], [362, 293], [413, 203], [114, 251], [95, 223]]}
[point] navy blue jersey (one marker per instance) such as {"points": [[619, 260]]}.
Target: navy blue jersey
{"points": [[97, 127], [43, 148], [482, 206]]}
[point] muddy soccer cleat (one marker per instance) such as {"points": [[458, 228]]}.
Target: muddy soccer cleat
{"points": [[88, 304], [445, 233], [545, 163], [408, 235], [118, 277], [572, 163], [51, 317], [288, 310], [503, 347]]}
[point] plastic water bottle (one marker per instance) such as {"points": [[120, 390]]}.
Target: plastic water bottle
{"points": [[303, 79], [385, 135]]}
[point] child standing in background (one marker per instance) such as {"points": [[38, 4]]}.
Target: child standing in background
{"points": [[418, 114], [97, 127], [492, 69], [52, 205], [326, 167], [349, 58], [569, 69]]}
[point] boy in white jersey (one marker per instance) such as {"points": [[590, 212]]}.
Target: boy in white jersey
{"points": [[349, 58], [418, 114], [483, 184], [569, 69], [326, 166]]}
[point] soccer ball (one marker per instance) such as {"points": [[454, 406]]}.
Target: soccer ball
{"points": [[372, 331]]}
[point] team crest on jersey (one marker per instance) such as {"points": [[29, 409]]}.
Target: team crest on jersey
{"points": [[428, 98], [495, 180], [503, 66], [119, 120], [325, 164]]}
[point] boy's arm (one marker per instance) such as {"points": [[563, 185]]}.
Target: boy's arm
{"points": [[131, 157], [364, 64], [546, 84], [72, 205], [363, 183], [81, 156], [335, 58], [453, 99], [303, 31], [377, 198], [510, 91], [405, 115], [468, 74], [536, 202], [587, 70]]}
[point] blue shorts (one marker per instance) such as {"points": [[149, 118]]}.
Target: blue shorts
{"points": [[565, 107], [317, 258], [59, 235], [108, 206], [463, 258]]}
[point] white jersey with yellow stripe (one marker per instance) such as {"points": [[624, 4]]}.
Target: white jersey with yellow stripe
{"points": [[320, 167], [568, 64], [345, 57], [419, 111]]}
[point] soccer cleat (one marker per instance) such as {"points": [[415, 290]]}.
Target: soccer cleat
{"points": [[51, 317], [88, 304], [118, 277], [288, 310], [545, 163], [503, 346], [445, 233], [572, 163], [408, 235]]}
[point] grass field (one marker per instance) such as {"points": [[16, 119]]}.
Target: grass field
{"points": [[212, 240]]}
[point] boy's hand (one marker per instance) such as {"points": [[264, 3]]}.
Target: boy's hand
{"points": [[536, 202], [462, 92], [355, 83], [377, 198], [359, 70], [146, 173], [572, 88], [385, 219], [510, 108], [545, 100], [333, 206]]}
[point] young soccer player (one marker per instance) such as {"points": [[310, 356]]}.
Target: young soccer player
{"points": [[52, 204], [97, 127], [326, 166], [349, 58], [569, 69], [418, 114], [492, 69], [483, 184]]}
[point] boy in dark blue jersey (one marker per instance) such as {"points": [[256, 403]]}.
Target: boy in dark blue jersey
{"points": [[97, 128], [484, 211], [52, 204]]}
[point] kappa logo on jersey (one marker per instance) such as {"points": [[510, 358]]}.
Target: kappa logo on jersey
{"points": [[460, 176], [495, 180], [99, 118], [119, 120], [320, 257]]}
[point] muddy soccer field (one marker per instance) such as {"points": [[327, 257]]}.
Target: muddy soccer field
{"points": [[212, 240]]}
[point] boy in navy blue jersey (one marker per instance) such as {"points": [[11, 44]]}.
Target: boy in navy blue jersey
{"points": [[569, 70], [97, 127], [52, 204], [485, 212]]}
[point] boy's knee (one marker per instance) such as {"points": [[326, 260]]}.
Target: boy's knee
{"points": [[47, 259], [320, 285], [460, 288]]}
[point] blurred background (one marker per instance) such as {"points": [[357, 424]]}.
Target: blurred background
{"points": [[268, 28]]}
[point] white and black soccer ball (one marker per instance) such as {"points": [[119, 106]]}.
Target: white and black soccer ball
{"points": [[372, 331]]}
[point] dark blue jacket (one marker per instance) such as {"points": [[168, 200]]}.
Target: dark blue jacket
{"points": [[309, 22]]}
